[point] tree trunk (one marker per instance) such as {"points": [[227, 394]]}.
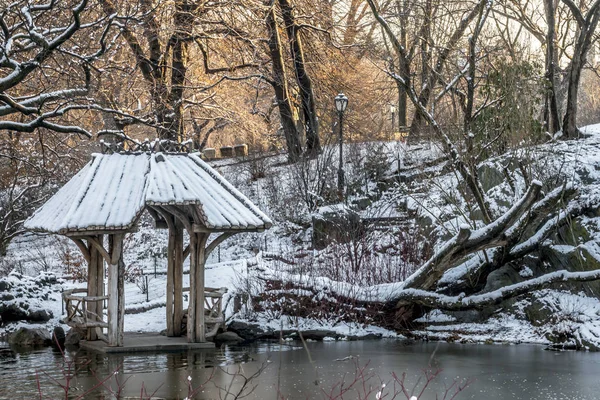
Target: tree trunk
{"points": [[309, 110], [281, 88], [433, 73], [184, 23], [551, 113], [587, 27]]}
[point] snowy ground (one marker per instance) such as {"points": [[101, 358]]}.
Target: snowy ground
{"points": [[435, 198], [228, 274]]}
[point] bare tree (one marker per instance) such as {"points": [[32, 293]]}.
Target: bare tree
{"points": [[586, 27], [280, 84], [307, 96], [32, 50]]}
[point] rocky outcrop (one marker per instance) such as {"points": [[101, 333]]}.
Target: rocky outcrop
{"points": [[250, 332], [228, 337], [74, 336], [27, 337], [22, 298]]}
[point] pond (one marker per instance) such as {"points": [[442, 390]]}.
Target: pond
{"points": [[315, 372]]}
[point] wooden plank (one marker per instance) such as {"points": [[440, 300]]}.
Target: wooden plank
{"points": [[198, 228], [93, 232]]}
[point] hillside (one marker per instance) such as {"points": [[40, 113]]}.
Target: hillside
{"points": [[408, 203]]}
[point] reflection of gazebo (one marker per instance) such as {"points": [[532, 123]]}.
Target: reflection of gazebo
{"points": [[107, 198]]}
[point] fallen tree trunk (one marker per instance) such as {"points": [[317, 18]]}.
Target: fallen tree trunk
{"points": [[467, 242], [516, 234]]}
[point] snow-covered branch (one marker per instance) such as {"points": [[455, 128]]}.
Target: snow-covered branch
{"points": [[28, 45], [467, 242], [436, 300]]}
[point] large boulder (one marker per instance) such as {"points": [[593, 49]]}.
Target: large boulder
{"points": [[28, 337], [250, 332], [318, 334], [58, 337], [11, 311], [335, 224], [74, 336], [228, 337]]}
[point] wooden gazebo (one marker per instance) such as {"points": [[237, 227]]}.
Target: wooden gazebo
{"points": [[106, 199]]}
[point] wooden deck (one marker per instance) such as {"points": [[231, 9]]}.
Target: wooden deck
{"points": [[146, 342]]}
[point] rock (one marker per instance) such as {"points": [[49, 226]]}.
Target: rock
{"points": [[226, 151], [6, 354], [5, 286], [26, 337], [538, 312], [335, 224], [209, 153], [250, 332], [58, 337], [489, 176], [318, 334], [504, 276], [74, 336], [228, 337], [39, 316], [368, 336], [241, 150], [571, 258], [12, 312]]}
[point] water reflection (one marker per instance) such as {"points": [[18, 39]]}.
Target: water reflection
{"points": [[499, 372]]}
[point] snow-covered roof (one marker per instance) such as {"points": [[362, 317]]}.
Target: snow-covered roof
{"points": [[112, 191]]}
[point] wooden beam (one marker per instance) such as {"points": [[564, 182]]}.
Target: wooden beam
{"points": [[93, 241], [197, 290], [186, 252], [217, 241], [160, 224], [180, 215], [191, 319], [93, 232], [199, 228], [85, 251]]}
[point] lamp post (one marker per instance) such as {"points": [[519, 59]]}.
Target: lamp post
{"points": [[393, 111], [341, 102]]}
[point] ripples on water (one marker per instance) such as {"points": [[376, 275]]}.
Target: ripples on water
{"points": [[499, 372], [19, 376]]}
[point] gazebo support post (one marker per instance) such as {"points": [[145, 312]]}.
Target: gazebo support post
{"points": [[95, 286], [195, 325], [170, 283], [174, 277], [178, 280], [116, 290]]}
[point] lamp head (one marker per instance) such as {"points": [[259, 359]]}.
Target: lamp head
{"points": [[341, 102]]}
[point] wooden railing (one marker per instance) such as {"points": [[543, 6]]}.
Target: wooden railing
{"points": [[79, 314], [213, 309]]}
